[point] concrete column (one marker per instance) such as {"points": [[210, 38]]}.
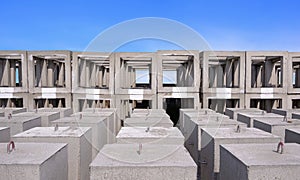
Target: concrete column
{"points": [[85, 104], [212, 77], [228, 73], [12, 73], [236, 73], [133, 77], [50, 73], [297, 78], [87, 74], [82, 72], [8, 104], [46, 103], [107, 77], [270, 76], [5, 76], [220, 76], [104, 81], [98, 104], [60, 105], [97, 76], [259, 76], [93, 75], [94, 104], [61, 75], [44, 73]]}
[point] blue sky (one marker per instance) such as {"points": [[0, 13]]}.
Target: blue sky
{"points": [[226, 25]]}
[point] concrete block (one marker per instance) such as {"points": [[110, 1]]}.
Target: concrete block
{"points": [[19, 124], [36, 161], [79, 146], [259, 161], [146, 161], [143, 111], [46, 117], [153, 135], [64, 112], [247, 117], [100, 132], [232, 112], [148, 122], [213, 137], [12, 111], [183, 111], [4, 134], [275, 126], [292, 135], [286, 112]]}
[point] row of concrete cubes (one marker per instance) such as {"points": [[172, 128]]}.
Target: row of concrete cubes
{"points": [[209, 79], [205, 131]]}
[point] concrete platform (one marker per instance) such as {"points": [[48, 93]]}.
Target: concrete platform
{"points": [[4, 134], [100, 132], [275, 126], [64, 112], [148, 122], [37, 161], [259, 161], [12, 111], [247, 117], [46, 117], [213, 137], [19, 124], [292, 135], [153, 135], [193, 135], [159, 162], [232, 112], [79, 146]]}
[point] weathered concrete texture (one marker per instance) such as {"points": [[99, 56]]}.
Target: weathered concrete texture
{"points": [[100, 132], [146, 161], [4, 134], [79, 146], [232, 112], [12, 111], [148, 122], [153, 135], [275, 126], [213, 137], [259, 161], [46, 117], [247, 117], [193, 135], [292, 135], [64, 112], [36, 161], [19, 124]]}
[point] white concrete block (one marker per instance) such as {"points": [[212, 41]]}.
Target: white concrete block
{"points": [[153, 135], [149, 161], [148, 122], [46, 117], [4, 134], [19, 124], [36, 161], [79, 146], [259, 161], [213, 137]]}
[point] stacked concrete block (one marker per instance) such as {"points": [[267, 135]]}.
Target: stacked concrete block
{"points": [[146, 161], [259, 161], [13, 79], [153, 135], [292, 135], [232, 112], [212, 138], [4, 134], [18, 124], [46, 117], [36, 161], [100, 133], [49, 79], [274, 125], [79, 146], [223, 77], [247, 117], [266, 85]]}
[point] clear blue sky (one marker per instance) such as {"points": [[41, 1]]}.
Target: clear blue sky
{"points": [[226, 25]]}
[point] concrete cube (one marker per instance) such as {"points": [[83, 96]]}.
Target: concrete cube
{"points": [[79, 146], [232, 112], [213, 137], [247, 117], [19, 124], [153, 135], [259, 161], [46, 117], [36, 161], [183, 111], [275, 126], [100, 131], [4, 134], [292, 135], [143, 161], [148, 122]]}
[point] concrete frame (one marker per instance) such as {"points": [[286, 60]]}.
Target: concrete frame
{"points": [[185, 104], [282, 97], [294, 57]]}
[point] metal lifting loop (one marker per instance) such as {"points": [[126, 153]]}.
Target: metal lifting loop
{"points": [[10, 147], [280, 146]]}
